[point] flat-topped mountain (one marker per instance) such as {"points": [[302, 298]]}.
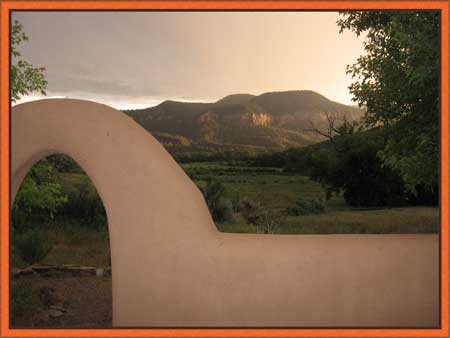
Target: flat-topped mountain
{"points": [[235, 99], [274, 120]]}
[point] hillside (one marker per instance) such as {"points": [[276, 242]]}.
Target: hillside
{"points": [[275, 121]]}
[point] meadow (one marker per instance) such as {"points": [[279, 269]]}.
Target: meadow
{"points": [[275, 190]]}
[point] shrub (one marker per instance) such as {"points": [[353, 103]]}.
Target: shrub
{"points": [[84, 203], [236, 201], [221, 209], [32, 245], [250, 210], [269, 222], [38, 195], [224, 210], [305, 207]]}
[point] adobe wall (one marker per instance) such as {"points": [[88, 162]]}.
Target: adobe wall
{"points": [[170, 265]]}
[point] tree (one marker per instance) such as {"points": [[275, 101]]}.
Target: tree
{"points": [[397, 80], [25, 78], [38, 194], [350, 164]]}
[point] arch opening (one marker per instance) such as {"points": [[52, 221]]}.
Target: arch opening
{"points": [[60, 247]]}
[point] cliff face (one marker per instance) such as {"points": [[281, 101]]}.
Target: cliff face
{"points": [[260, 119]]}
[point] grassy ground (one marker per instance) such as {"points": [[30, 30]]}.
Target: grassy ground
{"points": [[74, 245], [382, 221], [275, 190]]}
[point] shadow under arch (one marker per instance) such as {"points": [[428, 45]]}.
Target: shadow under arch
{"points": [[172, 268]]}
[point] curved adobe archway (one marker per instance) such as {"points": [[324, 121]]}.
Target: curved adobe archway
{"points": [[171, 267]]}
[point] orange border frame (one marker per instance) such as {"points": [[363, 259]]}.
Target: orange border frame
{"points": [[7, 5]]}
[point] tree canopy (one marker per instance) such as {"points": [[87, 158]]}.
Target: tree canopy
{"points": [[397, 80], [25, 78]]}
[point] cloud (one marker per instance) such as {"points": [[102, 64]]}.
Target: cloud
{"points": [[83, 83], [191, 55]]}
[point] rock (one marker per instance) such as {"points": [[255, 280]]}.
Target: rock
{"points": [[23, 272], [43, 268], [82, 270], [41, 316], [58, 307], [55, 313]]}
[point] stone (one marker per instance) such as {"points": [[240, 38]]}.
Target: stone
{"points": [[23, 272], [42, 316], [55, 313], [58, 307]]}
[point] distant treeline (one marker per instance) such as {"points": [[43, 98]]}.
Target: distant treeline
{"points": [[211, 156]]}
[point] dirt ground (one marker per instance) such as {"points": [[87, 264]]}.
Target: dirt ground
{"points": [[87, 303]]}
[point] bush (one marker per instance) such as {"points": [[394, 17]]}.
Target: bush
{"points": [[32, 246], [305, 207], [84, 203], [250, 210], [235, 201], [269, 222], [64, 164], [224, 210], [38, 195], [221, 209]]}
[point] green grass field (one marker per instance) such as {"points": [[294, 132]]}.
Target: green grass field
{"points": [[275, 190], [73, 244]]}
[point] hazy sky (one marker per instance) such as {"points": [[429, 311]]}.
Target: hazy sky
{"points": [[138, 59]]}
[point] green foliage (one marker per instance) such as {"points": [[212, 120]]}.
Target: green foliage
{"points": [[305, 207], [57, 190], [32, 245], [84, 202], [269, 222], [397, 80], [263, 221], [25, 78], [221, 209], [250, 210], [38, 194], [352, 164], [357, 170], [63, 163]]}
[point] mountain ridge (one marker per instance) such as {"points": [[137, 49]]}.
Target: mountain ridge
{"points": [[270, 121]]}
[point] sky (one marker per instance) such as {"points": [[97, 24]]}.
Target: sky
{"points": [[139, 59]]}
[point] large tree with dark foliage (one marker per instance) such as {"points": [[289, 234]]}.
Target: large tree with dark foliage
{"points": [[397, 80]]}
